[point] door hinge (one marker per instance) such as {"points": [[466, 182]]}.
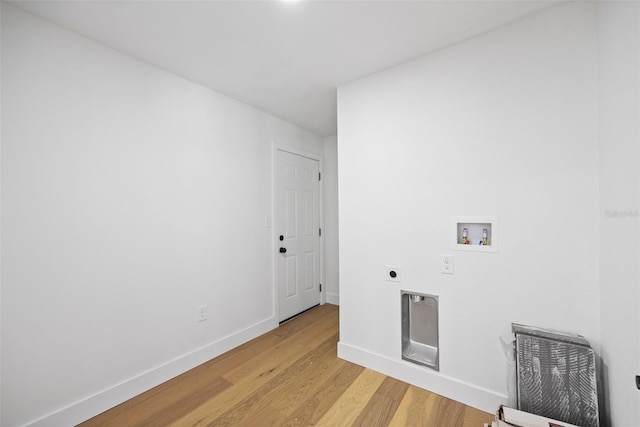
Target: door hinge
{"points": [[319, 176], [320, 287], [320, 232]]}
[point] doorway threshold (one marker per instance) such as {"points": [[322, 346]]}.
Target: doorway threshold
{"points": [[296, 315]]}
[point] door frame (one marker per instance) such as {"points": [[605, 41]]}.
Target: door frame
{"points": [[275, 244]]}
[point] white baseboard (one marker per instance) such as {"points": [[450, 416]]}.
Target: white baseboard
{"points": [[470, 395], [333, 299], [108, 398]]}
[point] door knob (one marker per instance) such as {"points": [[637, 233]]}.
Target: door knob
{"points": [[283, 250]]}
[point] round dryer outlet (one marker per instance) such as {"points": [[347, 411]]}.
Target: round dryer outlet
{"points": [[392, 274]]}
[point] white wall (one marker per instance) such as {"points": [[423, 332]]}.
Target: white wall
{"points": [[503, 124], [619, 47], [1, 5], [129, 198], [331, 234]]}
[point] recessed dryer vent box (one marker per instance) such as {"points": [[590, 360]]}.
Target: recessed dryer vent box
{"points": [[475, 233], [420, 329]]}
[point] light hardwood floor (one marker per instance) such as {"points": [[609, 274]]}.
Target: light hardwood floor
{"points": [[289, 377]]}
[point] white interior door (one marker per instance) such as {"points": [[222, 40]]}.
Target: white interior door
{"points": [[298, 233]]}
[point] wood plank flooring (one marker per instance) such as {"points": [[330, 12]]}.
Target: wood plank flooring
{"points": [[289, 377]]}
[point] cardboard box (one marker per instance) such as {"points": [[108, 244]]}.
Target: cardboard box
{"points": [[508, 417]]}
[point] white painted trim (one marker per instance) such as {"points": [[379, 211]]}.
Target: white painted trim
{"points": [[333, 299], [274, 231], [108, 398], [274, 214], [470, 395]]}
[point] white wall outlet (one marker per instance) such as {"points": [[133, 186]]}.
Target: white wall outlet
{"points": [[446, 264], [203, 313], [392, 273]]}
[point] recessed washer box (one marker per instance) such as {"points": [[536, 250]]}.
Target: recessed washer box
{"points": [[475, 233]]}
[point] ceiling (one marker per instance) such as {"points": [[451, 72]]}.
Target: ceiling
{"points": [[283, 57]]}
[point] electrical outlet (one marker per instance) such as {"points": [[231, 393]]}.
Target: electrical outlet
{"points": [[392, 274], [446, 264], [202, 313]]}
